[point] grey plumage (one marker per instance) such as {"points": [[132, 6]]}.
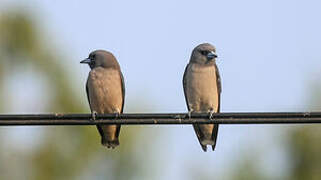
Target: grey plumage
{"points": [[105, 92], [202, 89]]}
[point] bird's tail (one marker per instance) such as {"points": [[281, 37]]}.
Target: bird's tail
{"points": [[207, 135], [109, 143], [109, 135], [214, 135]]}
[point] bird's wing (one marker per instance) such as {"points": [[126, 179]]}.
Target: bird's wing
{"points": [[122, 90], [219, 90], [184, 87], [87, 92], [123, 99], [219, 87]]}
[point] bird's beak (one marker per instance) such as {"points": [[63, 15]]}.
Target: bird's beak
{"points": [[211, 55], [86, 61]]}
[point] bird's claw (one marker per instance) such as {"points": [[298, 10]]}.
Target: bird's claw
{"points": [[93, 115], [189, 114], [211, 114], [117, 114]]}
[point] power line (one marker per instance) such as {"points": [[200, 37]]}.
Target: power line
{"points": [[164, 118]]}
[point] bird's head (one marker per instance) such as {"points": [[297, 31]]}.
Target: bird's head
{"points": [[204, 54], [101, 58]]}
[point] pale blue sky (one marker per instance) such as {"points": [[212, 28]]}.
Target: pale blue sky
{"points": [[269, 54]]}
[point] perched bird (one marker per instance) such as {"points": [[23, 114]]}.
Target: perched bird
{"points": [[202, 89], [105, 92]]}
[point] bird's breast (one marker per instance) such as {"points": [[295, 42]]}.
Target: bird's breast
{"points": [[105, 90], [201, 88]]}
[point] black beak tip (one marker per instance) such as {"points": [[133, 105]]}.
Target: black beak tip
{"points": [[85, 61], [211, 56]]}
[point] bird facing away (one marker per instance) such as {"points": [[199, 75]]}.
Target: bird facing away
{"points": [[105, 92], [202, 89]]}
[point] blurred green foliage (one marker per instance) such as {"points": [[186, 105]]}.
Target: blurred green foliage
{"points": [[305, 153], [21, 43], [303, 150], [63, 152], [304, 144]]}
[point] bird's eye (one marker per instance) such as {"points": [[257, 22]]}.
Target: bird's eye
{"points": [[93, 56], [204, 53]]}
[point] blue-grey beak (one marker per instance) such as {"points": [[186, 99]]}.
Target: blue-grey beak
{"points": [[211, 55], [86, 61]]}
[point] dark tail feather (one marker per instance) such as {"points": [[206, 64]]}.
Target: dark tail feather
{"points": [[200, 136], [214, 135], [106, 141], [109, 144], [204, 148], [204, 141]]}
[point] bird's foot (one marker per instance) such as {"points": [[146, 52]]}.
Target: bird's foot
{"points": [[189, 114], [117, 115], [211, 114], [93, 115]]}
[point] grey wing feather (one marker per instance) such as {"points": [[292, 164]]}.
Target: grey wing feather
{"points": [[219, 90], [123, 91], [87, 92], [184, 87], [219, 87], [123, 97]]}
